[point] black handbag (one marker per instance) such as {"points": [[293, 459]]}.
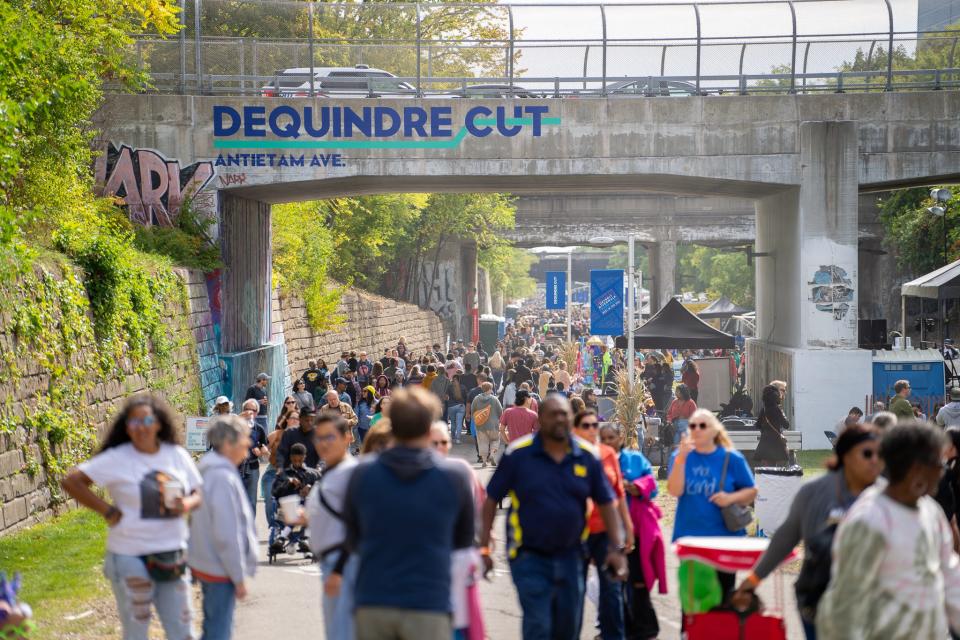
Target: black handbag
{"points": [[735, 516], [166, 566]]}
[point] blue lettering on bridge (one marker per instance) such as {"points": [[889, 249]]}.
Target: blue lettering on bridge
{"points": [[339, 127]]}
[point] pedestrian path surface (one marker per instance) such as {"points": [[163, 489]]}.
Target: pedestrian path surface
{"points": [[285, 597]]}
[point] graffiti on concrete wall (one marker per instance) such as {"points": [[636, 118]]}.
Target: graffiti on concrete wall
{"points": [[151, 186], [440, 292], [831, 290]]}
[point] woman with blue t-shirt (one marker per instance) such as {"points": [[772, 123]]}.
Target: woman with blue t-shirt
{"points": [[696, 468]]}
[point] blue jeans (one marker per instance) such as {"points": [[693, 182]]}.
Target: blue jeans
{"points": [[610, 604], [219, 601], [136, 592], [550, 590], [266, 489], [456, 413], [251, 478], [497, 378], [338, 611]]}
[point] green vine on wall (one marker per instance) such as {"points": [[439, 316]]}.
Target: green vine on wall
{"points": [[76, 334]]}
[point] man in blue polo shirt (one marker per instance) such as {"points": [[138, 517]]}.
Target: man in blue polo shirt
{"points": [[549, 476]]}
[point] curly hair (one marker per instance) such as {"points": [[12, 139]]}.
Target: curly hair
{"points": [[117, 435]]}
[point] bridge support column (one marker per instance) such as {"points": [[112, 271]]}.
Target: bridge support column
{"points": [[807, 286], [663, 267], [484, 299], [468, 270], [247, 349]]}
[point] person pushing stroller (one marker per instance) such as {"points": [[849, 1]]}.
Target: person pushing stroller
{"points": [[295, 479]]}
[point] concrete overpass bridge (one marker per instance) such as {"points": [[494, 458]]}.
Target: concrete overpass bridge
{"points": [[801, 160], [661, 222]]}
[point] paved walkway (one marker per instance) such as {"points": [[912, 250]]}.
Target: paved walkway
{"points": [[285, 597]]}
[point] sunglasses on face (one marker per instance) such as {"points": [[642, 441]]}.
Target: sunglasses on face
{"points": [[699, 425], [141, 422], [589, 425]]}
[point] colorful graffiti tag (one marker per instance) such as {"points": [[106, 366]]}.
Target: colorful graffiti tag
{"points": [[831, 290], [151, 186]]}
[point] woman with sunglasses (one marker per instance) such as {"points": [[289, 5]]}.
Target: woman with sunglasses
{"points": [[289, 405], [697, 479], [814, 514], [895, 575], [152, 483], [302, 397]]}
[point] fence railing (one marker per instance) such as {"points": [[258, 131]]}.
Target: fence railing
{"points": [[264, 47]]}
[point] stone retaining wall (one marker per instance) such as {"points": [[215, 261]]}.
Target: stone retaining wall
{"points": [[25, 495], [372, 323]]}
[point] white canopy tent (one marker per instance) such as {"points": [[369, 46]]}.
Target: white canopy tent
{"points": [[942, 284]]}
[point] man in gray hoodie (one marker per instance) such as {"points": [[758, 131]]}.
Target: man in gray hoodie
{"points": [[486, 411], [223, 541], [949, 415]]}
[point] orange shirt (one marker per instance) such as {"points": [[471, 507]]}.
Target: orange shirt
{"points": [[610, 462]]}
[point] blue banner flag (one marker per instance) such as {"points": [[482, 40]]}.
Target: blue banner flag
{"points": [[606, 302], [556, 289]]}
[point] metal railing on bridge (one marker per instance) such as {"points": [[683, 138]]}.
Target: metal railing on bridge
{"points": [[307, 48]]}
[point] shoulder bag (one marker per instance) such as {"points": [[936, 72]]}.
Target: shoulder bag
{"points": [[165, 566], [735, 516]]}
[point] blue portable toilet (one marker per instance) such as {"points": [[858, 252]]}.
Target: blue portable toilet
{"points": [[923, 368]]}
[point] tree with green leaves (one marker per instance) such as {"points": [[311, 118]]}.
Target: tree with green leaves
{"points": [[914, 234], [719, 273]]}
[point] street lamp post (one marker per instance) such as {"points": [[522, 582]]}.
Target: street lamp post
{"points": [[631, 305], [941, 197], [570, 295]]}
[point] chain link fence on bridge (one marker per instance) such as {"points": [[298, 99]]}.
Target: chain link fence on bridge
{"points": [[243, 47]]}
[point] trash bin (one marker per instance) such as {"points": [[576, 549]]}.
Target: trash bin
{"points": [[776, 487]]}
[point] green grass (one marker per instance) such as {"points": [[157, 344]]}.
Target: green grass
{"points": [[813, 461], [61, 564]]}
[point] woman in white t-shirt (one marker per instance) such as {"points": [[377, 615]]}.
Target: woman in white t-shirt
{"points": [[153, 484]]}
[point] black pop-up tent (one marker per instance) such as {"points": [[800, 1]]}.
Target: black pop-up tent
{"points": [[722, 309], [675, 327]]}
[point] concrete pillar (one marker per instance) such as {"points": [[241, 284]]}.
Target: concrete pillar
{"points": [[484, 299], [246, 330], [440, 287], [468, 271], [663, 271], [245, 242], [498, 303], [807, 285]]}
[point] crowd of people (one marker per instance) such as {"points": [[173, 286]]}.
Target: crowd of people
{"points": [[403, 533]]}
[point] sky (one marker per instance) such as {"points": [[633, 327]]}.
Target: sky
{"points": [[653, 25]]}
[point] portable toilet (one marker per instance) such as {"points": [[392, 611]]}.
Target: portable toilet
{"points": [[512, 311], [492, 328], [923, 368]]}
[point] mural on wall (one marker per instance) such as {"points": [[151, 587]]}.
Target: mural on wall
{"points": [[151, 186], [831, 290], [440, 293]]}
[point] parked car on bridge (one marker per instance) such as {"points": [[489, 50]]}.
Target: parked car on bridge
{"points": [[494, 91], [652, 87], [360, 81]]}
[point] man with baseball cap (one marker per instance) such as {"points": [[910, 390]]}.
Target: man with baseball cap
{"points": [[258, 392], [949, 415]]}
